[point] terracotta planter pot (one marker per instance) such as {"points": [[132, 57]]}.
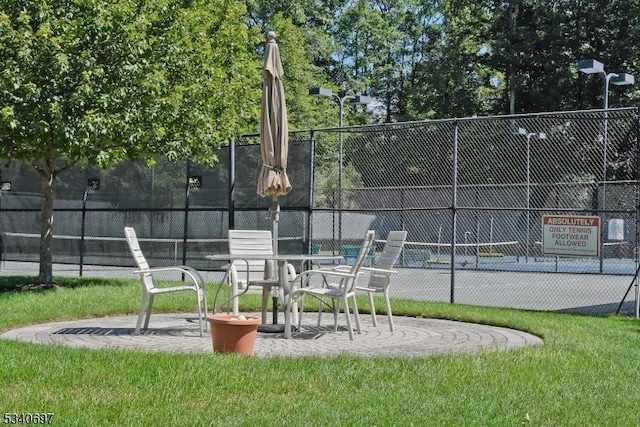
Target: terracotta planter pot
{"points": [[232, 335]]}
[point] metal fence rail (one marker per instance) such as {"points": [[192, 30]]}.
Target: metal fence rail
{"points": [[470, 192]]}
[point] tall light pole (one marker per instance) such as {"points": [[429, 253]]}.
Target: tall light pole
{"points": [[320, 92], [591, 66], [93, 184], [529, 135]]}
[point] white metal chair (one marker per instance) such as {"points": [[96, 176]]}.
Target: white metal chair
{"points": [[380, 275], [149, 290], [247, 273], [338, 287]]}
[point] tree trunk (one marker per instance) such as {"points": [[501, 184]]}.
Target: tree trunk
{"points": [[46, 225]]}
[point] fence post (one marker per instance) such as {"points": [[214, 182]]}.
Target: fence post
{"points": [[454, 210], [309, 213], [82, 226], [232, 185], [185, 229]]}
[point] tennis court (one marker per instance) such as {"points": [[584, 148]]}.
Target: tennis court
{"points": [[532, 290]]}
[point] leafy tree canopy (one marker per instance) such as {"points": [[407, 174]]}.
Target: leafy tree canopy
{"points": [[93, 82], [97, 81]]}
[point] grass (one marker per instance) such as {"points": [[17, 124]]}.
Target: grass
{"points": [[585, 374]]}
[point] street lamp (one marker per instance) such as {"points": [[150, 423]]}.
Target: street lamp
{"points": [[93, 184], [591, 66], [320, 92], [529, 135]]}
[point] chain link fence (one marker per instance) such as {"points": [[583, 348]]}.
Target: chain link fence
{"points": [[471, 194]]}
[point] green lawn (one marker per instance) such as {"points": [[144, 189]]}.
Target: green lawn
{"points": [[586, 373]]}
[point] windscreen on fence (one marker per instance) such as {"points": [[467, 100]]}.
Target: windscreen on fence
{"points": [[471, 193]]}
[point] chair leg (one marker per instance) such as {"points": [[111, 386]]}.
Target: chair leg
{"points": [[293, 310], [320, 308], [373, 309], [348, 315], [356, 313], [203, 297], [141, 313], [336, 312], [301, 311], [266, 291], [288, 315], [198, 296], [389, 314], [149, 308]]}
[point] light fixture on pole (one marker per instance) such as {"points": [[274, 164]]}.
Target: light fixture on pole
{"points": [[93, 184], [320, 92], [529, 135], [591, 66]]}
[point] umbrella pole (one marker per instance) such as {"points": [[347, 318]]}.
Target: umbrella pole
{"points": [[275, 218], [275, 270]]}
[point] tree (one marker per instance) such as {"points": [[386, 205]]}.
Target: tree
{"points": [[536, 44], [299, 74], [450, 79], [93, 82], [301, 33]]}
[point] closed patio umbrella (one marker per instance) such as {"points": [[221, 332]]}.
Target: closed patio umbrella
{"points": [[274, 134]]}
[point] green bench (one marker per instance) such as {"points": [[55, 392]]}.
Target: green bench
{"points": [[410, 257]]}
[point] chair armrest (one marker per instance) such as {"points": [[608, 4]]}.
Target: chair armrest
{"points": [[378, 270], [291, 272], [193, 274], [235, 280], [338, 273], [334, 268]]}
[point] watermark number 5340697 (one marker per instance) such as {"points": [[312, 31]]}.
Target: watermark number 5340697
{"points": [[27, 418]]}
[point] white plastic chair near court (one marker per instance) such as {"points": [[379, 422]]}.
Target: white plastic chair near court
{"points": [[149, 289], [338, 288], [261, 273], [380, 275]]}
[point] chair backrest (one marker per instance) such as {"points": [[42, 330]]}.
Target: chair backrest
{"points": [[364, 251], [138, 256], [250, 242], [134, 247], [392, 249], [389, 256]]}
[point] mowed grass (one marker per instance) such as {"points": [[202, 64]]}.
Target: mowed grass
{"points": [[585, 374]]}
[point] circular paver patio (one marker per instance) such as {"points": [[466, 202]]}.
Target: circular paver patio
{"points": [[179, 333]]}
